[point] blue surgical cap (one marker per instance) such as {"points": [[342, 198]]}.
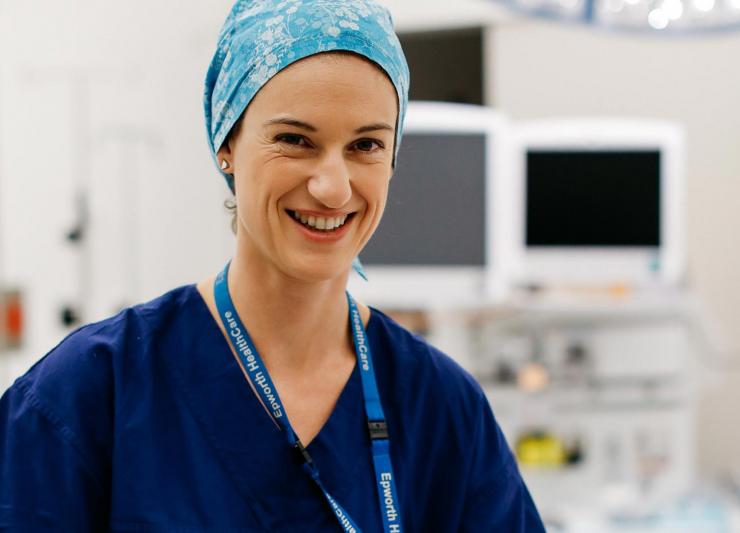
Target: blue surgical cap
{"points": [[262, 37]]}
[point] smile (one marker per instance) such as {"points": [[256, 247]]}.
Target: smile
{"points": [[320, 224]]}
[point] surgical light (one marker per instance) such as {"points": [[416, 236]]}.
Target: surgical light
{"points": [[673, 9], [665, 16], [704, 5], [658, 19]]}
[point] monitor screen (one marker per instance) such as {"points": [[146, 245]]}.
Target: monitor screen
{"points": [[593, 198], [435, 214]]}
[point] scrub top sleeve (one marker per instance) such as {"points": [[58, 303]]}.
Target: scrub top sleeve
{"points": [[45, 483], [497, 498]]}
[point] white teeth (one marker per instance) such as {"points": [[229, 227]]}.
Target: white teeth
{"points": [[322, 223]]}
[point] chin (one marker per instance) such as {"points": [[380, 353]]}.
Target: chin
{"points": [[319, 273]]}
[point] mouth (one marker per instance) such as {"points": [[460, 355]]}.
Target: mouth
{"points": [[320, 225]]}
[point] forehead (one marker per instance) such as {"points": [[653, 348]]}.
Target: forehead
{"points": [[329, 84]]}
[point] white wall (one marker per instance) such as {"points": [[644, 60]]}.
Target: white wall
{"points": [[107, 95], [543, 69]]}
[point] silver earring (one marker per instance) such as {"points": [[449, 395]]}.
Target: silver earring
{"points": [[224, 164]]}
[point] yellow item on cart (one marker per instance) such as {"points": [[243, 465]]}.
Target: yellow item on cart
{"points": [[540, 450]]}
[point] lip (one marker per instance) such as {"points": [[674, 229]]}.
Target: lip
{"points": [[322, 236], [324, 214]]}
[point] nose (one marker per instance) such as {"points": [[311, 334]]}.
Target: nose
{"points": [[330, 182]]}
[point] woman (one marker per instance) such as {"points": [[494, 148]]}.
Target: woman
{"points": [[267, 399]]}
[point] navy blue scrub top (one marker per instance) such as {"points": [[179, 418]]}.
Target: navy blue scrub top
{"points": [[145, 422]]}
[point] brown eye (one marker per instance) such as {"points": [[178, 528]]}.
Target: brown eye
{"points": [[291, 139], [368, 145]]}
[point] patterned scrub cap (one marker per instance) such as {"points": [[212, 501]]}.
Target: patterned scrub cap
{"points": [[262, 37]]}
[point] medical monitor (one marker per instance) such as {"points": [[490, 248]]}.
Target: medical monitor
{"points": [[596, 202], [581, 198], [436, 209], [434, 242]]}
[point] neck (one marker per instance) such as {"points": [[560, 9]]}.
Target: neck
{"points": [[294, 324]]}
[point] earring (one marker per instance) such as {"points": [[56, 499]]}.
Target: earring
{"points": [[224, 164]]}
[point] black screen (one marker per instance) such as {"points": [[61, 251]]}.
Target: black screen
{"points": [[593, 198], [435, 214], [447, 65]]}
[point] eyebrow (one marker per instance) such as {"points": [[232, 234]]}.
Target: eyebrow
{"points": [[308, 127], [290, 122], [374, 127]]}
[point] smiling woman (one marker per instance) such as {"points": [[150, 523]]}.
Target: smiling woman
{"points": [[316, 141], [266, 398]]}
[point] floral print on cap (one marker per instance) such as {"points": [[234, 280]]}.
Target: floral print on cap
{"points": [[260, 38]]}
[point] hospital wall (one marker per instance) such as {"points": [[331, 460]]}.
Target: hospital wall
{"points": [[541, 69], [105, 97]]}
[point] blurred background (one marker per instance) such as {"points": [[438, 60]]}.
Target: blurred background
{"points": [[563, 221]]}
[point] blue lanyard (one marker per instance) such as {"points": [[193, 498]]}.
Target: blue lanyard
{"points": [[257, 374]]}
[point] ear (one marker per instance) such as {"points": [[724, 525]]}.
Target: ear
{"points": [[224, 152], [225, 160]]}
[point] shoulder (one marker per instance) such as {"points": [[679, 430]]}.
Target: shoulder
{"points": [[74, 383], [430, 398], [416, 367], [64, 414], [91, 350]]}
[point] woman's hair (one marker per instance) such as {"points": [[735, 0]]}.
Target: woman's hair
{"points": [[230, 205]]}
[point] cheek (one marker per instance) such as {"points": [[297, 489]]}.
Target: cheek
{"points": [[262, 184], [374, 189]]}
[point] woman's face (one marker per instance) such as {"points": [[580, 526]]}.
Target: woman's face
{"points": [[314, 149]]}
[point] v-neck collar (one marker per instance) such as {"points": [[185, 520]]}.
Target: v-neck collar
{"points": [[253, 449]]}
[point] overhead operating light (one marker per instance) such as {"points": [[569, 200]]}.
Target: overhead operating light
{"points": [[658, 16]]}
